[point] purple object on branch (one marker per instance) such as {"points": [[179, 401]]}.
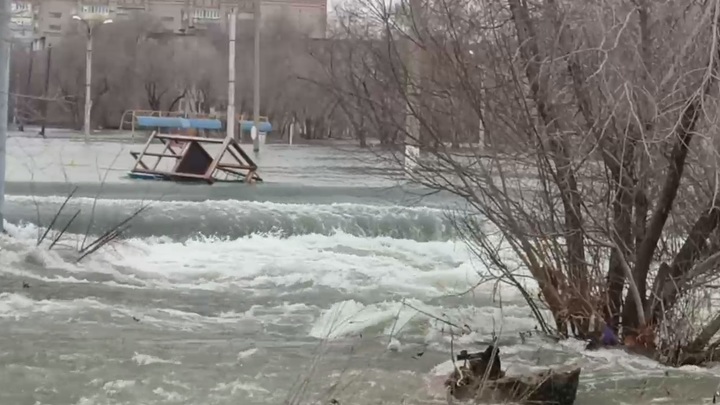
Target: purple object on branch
{"points": [[608, 337]]}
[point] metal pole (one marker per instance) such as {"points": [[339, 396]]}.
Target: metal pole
{"points": [[292, 132], [4, 96], [256, 81], [14, 100], [88, 81], [27, 102], [230, 120], [47, 89]]}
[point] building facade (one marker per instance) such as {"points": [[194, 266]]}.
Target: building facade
{"points": [[21, 22], [44, 22]]}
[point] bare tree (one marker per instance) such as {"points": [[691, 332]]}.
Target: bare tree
{"points": [[137, 66], [134, 67], [115, 54], [597, 175], [200, 74], [158, 72]]}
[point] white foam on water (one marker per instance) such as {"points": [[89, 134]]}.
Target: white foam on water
{"points": [[353, 264], [347, 318], [114, 387], [236, 208], [411, 272], [20, 254], [146, 359], [246, 353], [18, 306], [340, 261], [468, 324], [234, 387], [170, 396], [350, 317], [13, 305], [220, 204]]}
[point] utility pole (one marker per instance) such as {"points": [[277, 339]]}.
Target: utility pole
{"points": [[5, 39], [256, 82], [28, 82], [230, 120], [47, 89], [88, 71], [88, 82]]}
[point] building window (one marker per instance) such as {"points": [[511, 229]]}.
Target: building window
{"points": [[96, 9], [54, 27], [55, 14], [20, 21], [131, 4], [206, 14], [19, 6], [207, 3]]}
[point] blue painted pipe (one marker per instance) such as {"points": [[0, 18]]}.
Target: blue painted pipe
{"points": [[263, 126]]}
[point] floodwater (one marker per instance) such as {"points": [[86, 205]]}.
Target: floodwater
{"points": [[258, 294]]}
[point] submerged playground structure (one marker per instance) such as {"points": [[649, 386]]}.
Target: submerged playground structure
{"points": [[191, 154]]}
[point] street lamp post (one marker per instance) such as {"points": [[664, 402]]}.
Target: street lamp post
{"points": [[88, 70], [256, 81], [231, 121], [5, 11]]}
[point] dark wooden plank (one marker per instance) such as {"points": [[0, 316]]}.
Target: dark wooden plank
{"points": [[172, 174], [189, 138], [234, 166], [167, 155]]}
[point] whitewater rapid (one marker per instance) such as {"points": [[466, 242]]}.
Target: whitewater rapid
{"points": [[161, 319], [240, 295]]}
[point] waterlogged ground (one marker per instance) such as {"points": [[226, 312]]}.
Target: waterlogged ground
{"points": [[258, 294]]}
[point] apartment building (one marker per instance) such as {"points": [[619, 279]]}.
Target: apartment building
{"points": [[50, 19], [21, 22]]}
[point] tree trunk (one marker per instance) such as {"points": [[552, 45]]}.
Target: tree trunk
{"points": [[645, 252], [622, 237], [671, 282], [565, 179]]}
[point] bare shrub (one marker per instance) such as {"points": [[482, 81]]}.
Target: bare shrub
{"points": [[591, 152]]}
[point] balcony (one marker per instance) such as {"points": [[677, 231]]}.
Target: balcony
{"points": [[206, 15], [21, 21], [19, 7], [131, 4], [94, 11]]}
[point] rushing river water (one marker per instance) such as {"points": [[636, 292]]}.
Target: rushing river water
{"points": [[252, 294]]}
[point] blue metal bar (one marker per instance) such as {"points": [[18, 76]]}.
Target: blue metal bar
{"points": [[263, 126], [178, 122]]}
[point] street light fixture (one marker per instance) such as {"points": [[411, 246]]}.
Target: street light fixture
{"points": [[88, 69]]}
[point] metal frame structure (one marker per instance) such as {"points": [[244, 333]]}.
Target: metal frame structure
{"points": [[193, 162]]}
